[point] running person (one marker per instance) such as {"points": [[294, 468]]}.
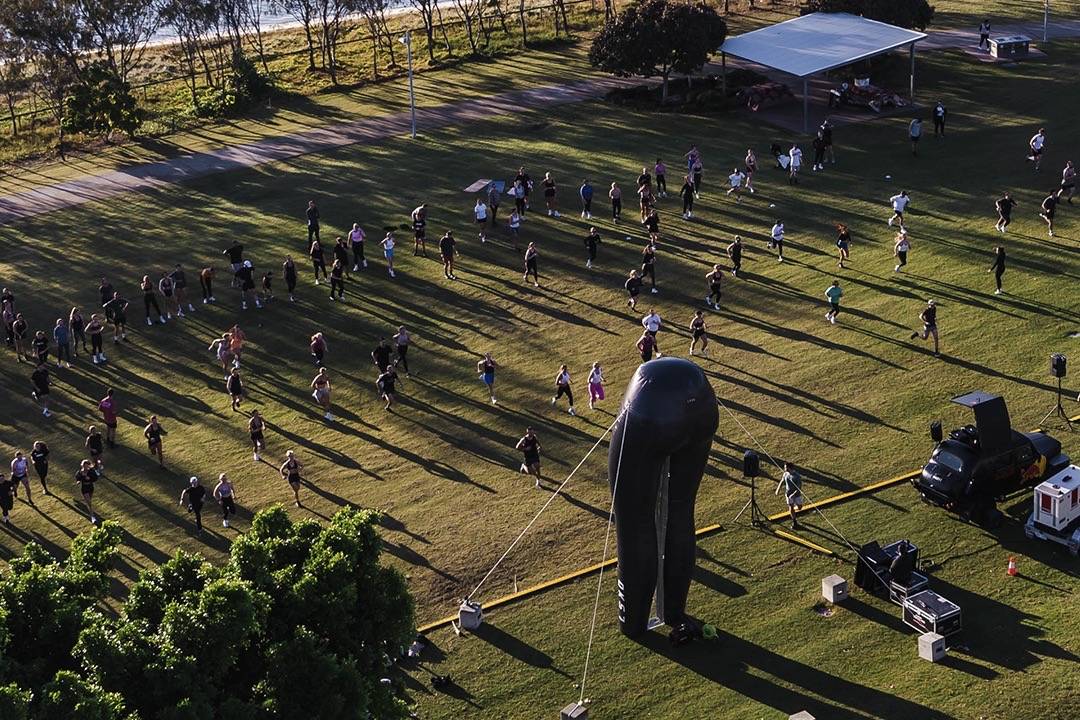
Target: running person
{"points": [[381, 355], [1004, 206], [687, 195], [39, 458], [318, 348], [900, 249], [318, 259], [39, 381], [615, 195], [117, 310], [419, 226], [531, 255], [843, 243], [834, 292], [321, 390], [596, 385], [1036, 145], [235, 387], [929, 321], [256, 426], [562, 387], [633, 288], [713, 279], [153, 432], [899, 205], [1049, 207], [85, 479], [776, 240], [529, 445], [652, 223], [95, 446], [206, 284], [402, 340], [734, 253], [698, 331], [550, 192], [592, 242], [225, 494], [648, 265], [750, 165], [20, 474], [736, 180], [107, 406], [480, 214], [385, 384], [1068, 181], [998, 268], [337, 280], [7, 497], [388, 252], [646, 344], [291, 470], [486, 368], [288, 274], [193, 496], [447, 249], [220, 347]]}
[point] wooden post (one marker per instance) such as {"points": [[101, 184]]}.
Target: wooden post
{"points": [[805, 107], [911, 87], [723, 73]]}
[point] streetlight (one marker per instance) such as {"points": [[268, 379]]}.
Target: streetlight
{"points": [[1046, 16], [406, 40]]}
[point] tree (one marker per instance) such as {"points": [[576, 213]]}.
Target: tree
{"points": [[426, 10], [655, 38], [304, 12], [915, 14], [331, 15], [14, 78], [101, 104], [120, 29]]}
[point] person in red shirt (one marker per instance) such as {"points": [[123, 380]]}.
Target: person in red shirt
{"points": [[107, 406]]}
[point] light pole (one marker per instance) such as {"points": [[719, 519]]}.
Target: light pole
{"points": [[1046, 16], [406, 40]]}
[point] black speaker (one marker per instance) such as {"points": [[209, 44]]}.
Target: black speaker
{"points": [[935, 431], [750, 464], [1058, 363]]}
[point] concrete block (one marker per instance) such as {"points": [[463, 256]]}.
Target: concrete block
{"points": [[802, 715], [574, 711], [834, 589], [931, 647]]}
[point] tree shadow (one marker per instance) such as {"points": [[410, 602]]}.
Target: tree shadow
{"points": [[516, 648]]}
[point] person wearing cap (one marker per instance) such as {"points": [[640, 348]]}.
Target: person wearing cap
{"points": [[193, 496], [929, 321]]}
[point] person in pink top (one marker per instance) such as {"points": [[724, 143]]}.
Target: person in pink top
{"points": [[107, 406], [660, 172]]}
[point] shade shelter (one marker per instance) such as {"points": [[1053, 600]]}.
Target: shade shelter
{"points": [[819, 42]]}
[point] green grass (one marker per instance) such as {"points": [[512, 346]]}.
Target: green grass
{"points": [[848, 403]]}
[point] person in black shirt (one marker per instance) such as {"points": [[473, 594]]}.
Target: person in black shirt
{"points": [[153, 432], [39, 379], [713, 278], [648, 262], [7, 300], [448, 248], [819, 151], [929, 321], [95, 445], [116, 310], [385, 384], [529, 445], [531, 257], [652, 222], [419, 226], [998, 268], [236, 258], [1049, 206], [267, 287], [39, 458], [633, 287], [235, 386], [687, 195], [843, 243], [381, 355], [40, 344], [526, 184], [85, 479], [734, 252], [827, 135], [592, 241], [107, 291], [19, 328], [150, 299], [337, 280], [318, 260], [341, 252], [312, 221], [288, 273], [939, 112], [193, 496], [246, 276], [7, 496]]}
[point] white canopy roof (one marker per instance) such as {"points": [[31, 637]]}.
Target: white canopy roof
{"points": [[818, 42]]}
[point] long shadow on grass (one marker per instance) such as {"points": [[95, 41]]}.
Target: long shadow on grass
{"points": [[516, 648], [729, 660]]}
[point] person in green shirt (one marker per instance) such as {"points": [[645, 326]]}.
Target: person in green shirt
{"points": [[834, 293]]}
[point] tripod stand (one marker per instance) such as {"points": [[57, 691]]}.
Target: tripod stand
{"points": [[1058, 410], [758, 518]]}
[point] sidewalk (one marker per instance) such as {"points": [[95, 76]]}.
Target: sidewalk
{"points": [[49, 198]]}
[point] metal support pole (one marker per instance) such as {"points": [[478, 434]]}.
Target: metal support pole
{"points": [[911, 86], [406, 40], [805, 107], [723, 73], [1046, 17]]}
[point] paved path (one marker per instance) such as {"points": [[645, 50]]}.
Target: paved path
{"points": [[48, 198]]}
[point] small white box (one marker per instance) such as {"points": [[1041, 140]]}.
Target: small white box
{"points": [[574, 711], [931, 647], [834, 589], [470, 615], [803, 715]]}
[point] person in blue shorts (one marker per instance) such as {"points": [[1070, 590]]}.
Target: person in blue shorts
{"points": [[486, 369]]}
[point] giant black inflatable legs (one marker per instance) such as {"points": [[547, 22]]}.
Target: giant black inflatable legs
{"points": [[657, 456]]}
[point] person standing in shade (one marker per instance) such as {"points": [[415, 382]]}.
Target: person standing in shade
{"points": [[929, 321], [529, 445], [95, 447], [633, 288], [380, 356], [40, 346], [592, 242], [312, 221], [106, 291], [20, 474], [734, 253], [448, 249], [193, 497], [62, 338], [77, 328], [818, 144], [713, 279], [562, 387], [515, 227], [660, 171], [256, 428], [318, 348], [1036, 146], [85, 479], [645, 180], [687, 195], [698, 333], [206, 284], [486, 369], [794, 164], [153, 432], [321, 390], [776, 240], [834, 292], [388, 252], [356, 239], [8, 316], [402, 340], [150, 300], [19, 328], [480, 213], [984, 34], [526, 186], [267, 288], [645, 200], [585, 192], [648, 265], [615, 194], [225, 494], [998, 268], [235, 253], [39, 458], [341, 252], [531, 255], [7, 497], [1068, 181], [419, 226], [39, 381], [1049, 207], [900, 249], [318, 259], [291, 470], [246, 277], [697, 170], [915, 134], [939, 119], [235, 387], [843, 243], [107, 406], [179, 279], [646, 344], [94, 329], [337, 280], [596, 385], [826, 131], [168, 296], [385, 385], [899, 205], [288, 274], [494, 197], [517, 191], [791, 482]]}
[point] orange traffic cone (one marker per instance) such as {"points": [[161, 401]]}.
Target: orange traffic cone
{"points": [[1011, 570]]}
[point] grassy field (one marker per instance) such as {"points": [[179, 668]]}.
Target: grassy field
{"points": [[848, 403]]}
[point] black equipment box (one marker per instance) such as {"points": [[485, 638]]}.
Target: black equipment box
{"points": [[929, 612], [899, 592]]}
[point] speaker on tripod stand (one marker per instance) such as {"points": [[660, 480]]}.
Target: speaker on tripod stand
{"points": [[751, 465], [1058, 369]]}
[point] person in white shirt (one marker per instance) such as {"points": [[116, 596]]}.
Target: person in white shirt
{"points": [[562, 387], [388, 252], [356, 238], [899, 205], [596, 385], [736, 178], [1036, 145], [651, 322], [777, 240], [480, 211], [795, 155], [914, 134]]}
